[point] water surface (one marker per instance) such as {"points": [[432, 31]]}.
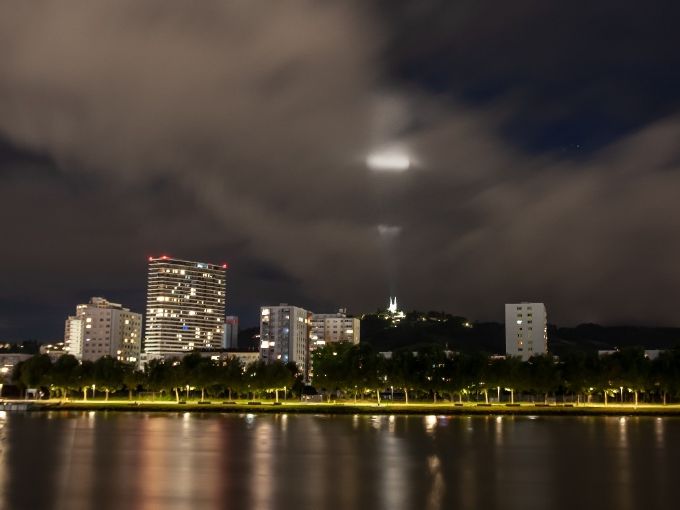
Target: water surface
{"points": [[103, 461]]}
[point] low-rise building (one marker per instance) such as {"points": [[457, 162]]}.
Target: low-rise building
{"points": [[8, 360], [54, 350], [334, 327], [245, 357], [650, 354]]}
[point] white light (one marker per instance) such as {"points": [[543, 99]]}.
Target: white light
{"points": [[389, 231], [264, 344], [388, 162]]}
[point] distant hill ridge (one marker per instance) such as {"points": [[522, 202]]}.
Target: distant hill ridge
{"points": [[459, 334]]}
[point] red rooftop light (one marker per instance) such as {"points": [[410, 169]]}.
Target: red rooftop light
{"points": [[225, 266]]}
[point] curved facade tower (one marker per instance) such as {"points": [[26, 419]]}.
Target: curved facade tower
{"points": [[185, 306]]}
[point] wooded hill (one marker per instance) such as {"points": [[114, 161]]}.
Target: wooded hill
{"points": [[459, 334]]}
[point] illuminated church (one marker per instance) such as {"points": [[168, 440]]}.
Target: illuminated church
{"points": [[393, 313]]}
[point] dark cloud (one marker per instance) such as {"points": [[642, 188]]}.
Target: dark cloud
{"points": [[572, 74], [238, 132]]}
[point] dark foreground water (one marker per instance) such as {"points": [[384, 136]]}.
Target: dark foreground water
{"points": [[132, 461]]}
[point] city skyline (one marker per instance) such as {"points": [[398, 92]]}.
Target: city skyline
{"points": [[456, 156], [339, 254]]}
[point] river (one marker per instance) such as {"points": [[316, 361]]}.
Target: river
{"points": [[88, 460]]}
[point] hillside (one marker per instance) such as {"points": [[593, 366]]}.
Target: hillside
{"points": [[458, 334]]}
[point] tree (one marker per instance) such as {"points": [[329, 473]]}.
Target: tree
{"points": [[84, 377], [157, 375], [364, 369], [431, 368], [544, 375], [624, 369], [479, 374], [63, 373], [277, 377], [255, 377], [635, 368], [330, 364], [401, 369], [580, 373], [298, 383], [511, 374], [107, 374], [34, 372], [176, 377], [133, 378], [462, 372], [665, 373], [610, 378], [202, 373], [230, 375]]}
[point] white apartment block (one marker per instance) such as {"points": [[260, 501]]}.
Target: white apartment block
{"points": [[334, 327], [185, 307], [284, 335], [101, 328], [526, 330]]}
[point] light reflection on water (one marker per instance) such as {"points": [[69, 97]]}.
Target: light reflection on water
{"points": [[173, 461]]}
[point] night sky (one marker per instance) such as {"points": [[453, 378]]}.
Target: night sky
{"points": [[543, 140]]}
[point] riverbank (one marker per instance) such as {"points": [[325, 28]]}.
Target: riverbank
{"points": [[358, 408]]}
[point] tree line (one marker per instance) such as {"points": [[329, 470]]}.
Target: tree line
{"points": [[354, 371], [349, 371], [175, 378]]}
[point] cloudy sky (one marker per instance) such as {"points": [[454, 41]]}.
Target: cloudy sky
{"points": [[543, 141]]}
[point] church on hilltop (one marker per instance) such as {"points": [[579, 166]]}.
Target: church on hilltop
{"points": [[392, 312]]}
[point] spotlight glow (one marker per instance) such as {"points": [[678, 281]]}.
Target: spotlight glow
{"points": [[389, 231], [388, 162]]}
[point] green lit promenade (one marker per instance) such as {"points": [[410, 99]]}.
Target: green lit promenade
{"points": [[360, 407]]}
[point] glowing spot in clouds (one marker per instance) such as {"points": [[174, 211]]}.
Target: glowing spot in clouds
{"points": [[389, 230], [388, 162]]}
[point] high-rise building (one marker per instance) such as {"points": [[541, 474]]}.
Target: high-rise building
{"points": [[101, 328], [526, 330], [333, 327], [185, 306], [284, 335], [230, 338]]}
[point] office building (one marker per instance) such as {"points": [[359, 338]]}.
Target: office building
{"points": [[333, 327], [526, 330], [230, 336], [102, 328], [185, 307], [284, 335]]}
